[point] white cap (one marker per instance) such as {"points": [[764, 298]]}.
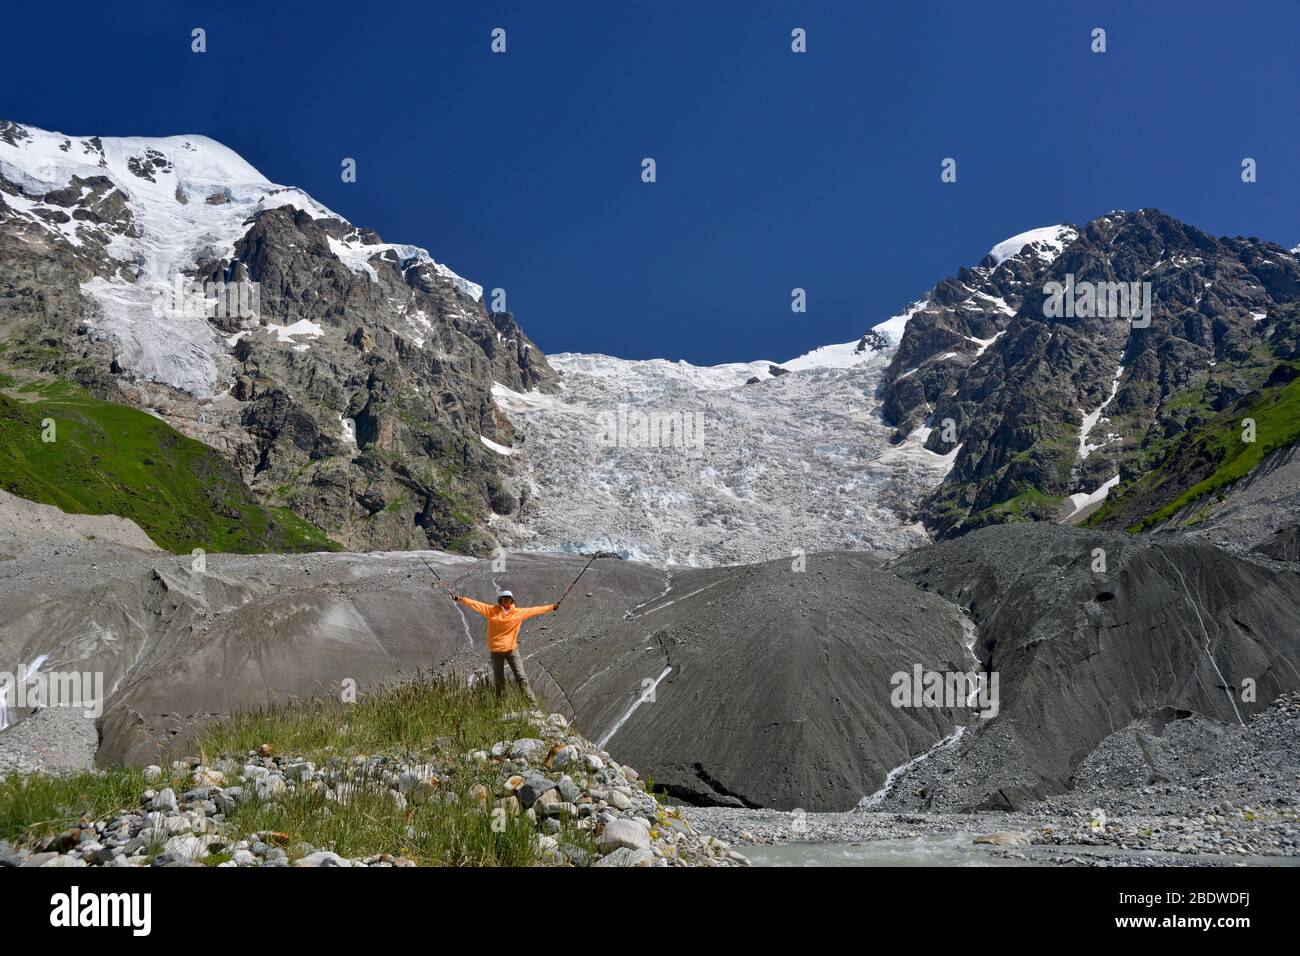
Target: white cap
{"points": [[505, 594]]}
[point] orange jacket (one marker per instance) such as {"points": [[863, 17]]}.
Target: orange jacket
{"points": [[502, 625]]}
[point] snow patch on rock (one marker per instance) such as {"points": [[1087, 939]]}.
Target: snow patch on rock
{"points": [[1079, 501], [893, 328], [1047, 242], [1090, 419]]}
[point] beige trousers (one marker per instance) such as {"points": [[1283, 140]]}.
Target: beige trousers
{"points": [[499, 661]]}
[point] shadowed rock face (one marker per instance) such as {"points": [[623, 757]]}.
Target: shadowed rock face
{"points": [[1283, 545], [1171, 625]]}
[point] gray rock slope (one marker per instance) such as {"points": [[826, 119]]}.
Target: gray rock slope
{"points": [[772, 685], [767, 686], [1171, 627], [1257, 513], [777, 695], [25, 524]]}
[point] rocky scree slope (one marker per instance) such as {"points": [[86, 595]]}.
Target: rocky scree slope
{"points": [[1173, 790], [1258, 513], [1049, 413], [1172, 630], [789, 671], [359, 398]]}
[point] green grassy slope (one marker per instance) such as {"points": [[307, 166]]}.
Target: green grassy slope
{"points": [[1208, 458], [112, 459]]}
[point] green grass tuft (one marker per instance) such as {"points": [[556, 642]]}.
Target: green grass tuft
{"points": [[40, 806], [436, 721], [424, 715]]}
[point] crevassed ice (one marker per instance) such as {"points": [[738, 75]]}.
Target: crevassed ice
{"points": [[797, 461]]}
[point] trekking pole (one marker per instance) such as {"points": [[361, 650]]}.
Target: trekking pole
{"points": [[575, 581], [439, 580]]}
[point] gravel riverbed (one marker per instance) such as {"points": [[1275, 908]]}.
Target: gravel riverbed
{"points": [[1219, 812]]}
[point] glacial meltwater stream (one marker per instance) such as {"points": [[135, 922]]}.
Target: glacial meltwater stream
{"points": [[937, 849], [957, 849]]}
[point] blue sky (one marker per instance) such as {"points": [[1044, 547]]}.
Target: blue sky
{"points": [[775, 170]]}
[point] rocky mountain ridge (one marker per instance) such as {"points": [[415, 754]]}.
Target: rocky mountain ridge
{"points": [[358, 396], [1048, 412]]}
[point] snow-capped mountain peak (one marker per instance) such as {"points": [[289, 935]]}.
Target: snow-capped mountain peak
{"points": [[141, 211], [40, 159], [1047, 242], [1044, 244], [330, 367]]}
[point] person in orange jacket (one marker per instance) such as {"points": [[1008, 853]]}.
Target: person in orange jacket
{"points": [[503, 623]]}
